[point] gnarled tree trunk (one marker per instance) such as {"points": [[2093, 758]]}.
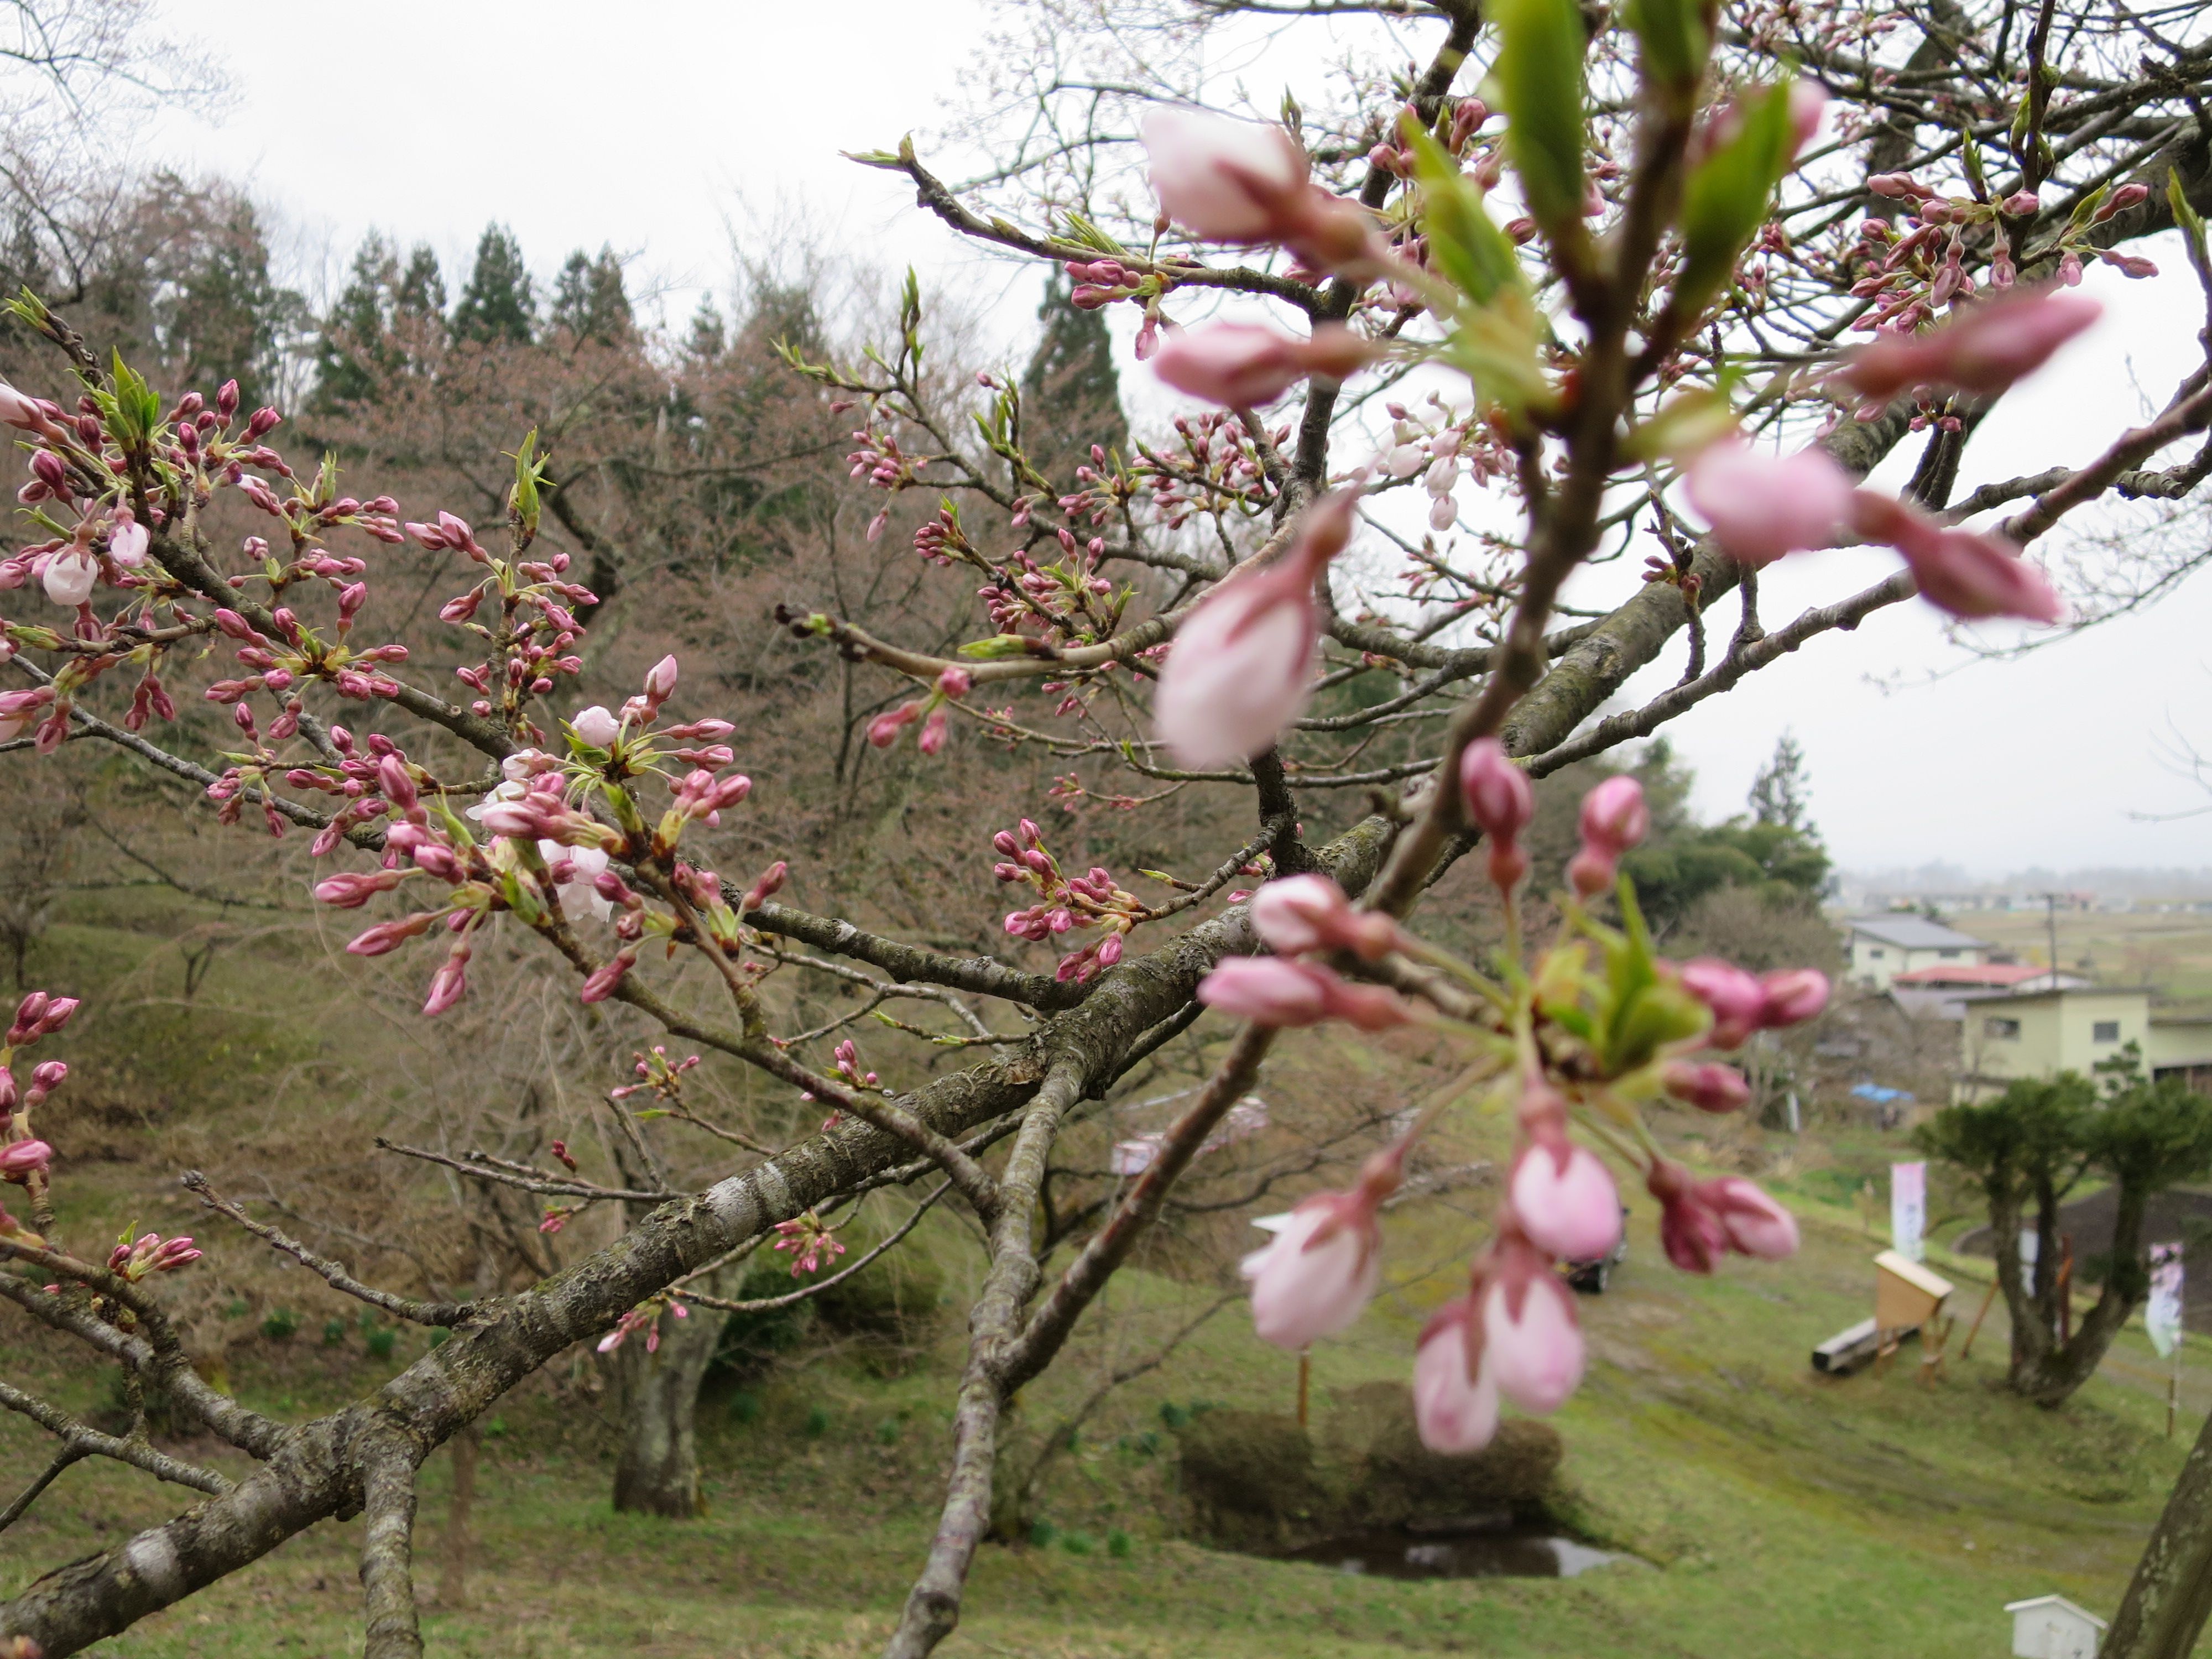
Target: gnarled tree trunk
{"points": [[658, 1473], [2171, 1595]]}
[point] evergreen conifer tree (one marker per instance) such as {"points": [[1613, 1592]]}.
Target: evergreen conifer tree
{"points": [[1070, 390], [497, 306]]}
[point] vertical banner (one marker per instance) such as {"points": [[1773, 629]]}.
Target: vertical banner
{"points": [[2162, 1313], [1908, 1210]]}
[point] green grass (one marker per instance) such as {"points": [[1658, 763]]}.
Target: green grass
{"points": [[1770, 1511]]}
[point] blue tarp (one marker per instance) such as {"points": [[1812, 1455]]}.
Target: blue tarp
{"points": [[1876, 1093]]}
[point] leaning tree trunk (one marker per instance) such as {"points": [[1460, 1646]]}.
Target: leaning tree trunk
{"points": [[2171, 1594], [658, 1473]]}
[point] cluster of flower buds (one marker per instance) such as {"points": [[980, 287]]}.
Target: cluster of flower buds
{"points": [[1214, 467], [879, 459], [1068, 602], [646, 1317], [1101, 281], [1763, 507], [654, 1073], [1294, 917], [24, 1157], [532, 634], [549, 859], [1065, 902], [152, 1254], [1440, 457], [1921, 270], [811, 1243], [953, 682], [1594, 1028]]}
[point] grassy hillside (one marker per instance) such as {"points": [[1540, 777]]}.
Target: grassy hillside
{"points": [[1771, 1510]]}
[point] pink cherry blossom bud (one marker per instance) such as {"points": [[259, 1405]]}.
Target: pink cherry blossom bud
{"points": [[1591, 871], [1808, 100], [1753, 1222], [1983, 349], [1689, 1232], [24, 414], [1532, 1342], [2022, 203], [1499, 798], [20, 1159], [350, 889], [28, 1012], [1241, 665], [600, 984], [770, 882], [47, 1076], [57, 1015], [127, 544], [956, 681], [398, 785], [1455, 1404], [1565, 1201], [660, 680], [1315, 1276], [387, 936], [1792, 995], [933, 733], [1241, 364], [1613, 817], [69, 577], [1298, 914], [449, 984], [1737, 1000], [1761, 506], [884, 730], [1267, 990], [1961, 571], [596, 727], [1229, 181], [1710, 1087], [1110, 950], [8, 1096]]}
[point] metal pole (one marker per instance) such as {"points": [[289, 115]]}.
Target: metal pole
{"points": [[1966, 1348], [2173, 1388]]}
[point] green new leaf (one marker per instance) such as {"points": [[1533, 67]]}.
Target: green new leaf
{"points": [[1466, 243], [1495, 347], [1683, 425], [2190, 220], [524, 502], [1538, 77], [996, 648], [1726, 196], [1674, 36]]}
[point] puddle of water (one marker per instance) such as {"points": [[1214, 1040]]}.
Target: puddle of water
{"points": [[1487, 1552]]}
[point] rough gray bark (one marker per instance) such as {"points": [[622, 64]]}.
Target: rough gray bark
{"points": [[658, 1470], [2171, 1594]]}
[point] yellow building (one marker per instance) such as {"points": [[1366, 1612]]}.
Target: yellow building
{"points": [[2032, 1034]]}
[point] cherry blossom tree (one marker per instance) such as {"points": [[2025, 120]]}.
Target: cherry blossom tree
{"points": [[1568, 283]]}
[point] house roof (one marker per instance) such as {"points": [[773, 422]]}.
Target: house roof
{"points": [[2000, 975], [1913, 1273], [1911, 932], [2034, 1601]]}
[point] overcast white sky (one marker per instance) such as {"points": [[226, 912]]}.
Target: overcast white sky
{"points": [[669, 129]]}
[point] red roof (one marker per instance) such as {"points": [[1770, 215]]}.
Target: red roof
{"points": [[1968, 973]]}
